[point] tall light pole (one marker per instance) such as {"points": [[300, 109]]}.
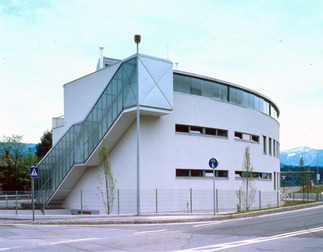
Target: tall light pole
{"points": [[317, 169], [137, 41]]}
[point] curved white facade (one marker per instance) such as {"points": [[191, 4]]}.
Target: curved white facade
{"points": [[185, 120]]}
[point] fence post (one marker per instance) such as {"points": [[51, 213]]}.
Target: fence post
{"points": [[118, 202], [44, 204], [81, 202], [277, 198], [16, 203], [191, 200], [239, 200], [293, 198], [259, 199], [7, 200], [217, 201], [156, 201]]}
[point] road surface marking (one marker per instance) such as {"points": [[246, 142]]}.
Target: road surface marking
{"points": [[207, 224], [222, 246], [75, 240], [152, 231]]}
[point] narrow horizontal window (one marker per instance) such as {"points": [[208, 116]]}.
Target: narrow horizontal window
{"points": [[223, 133], [201, 130], [246, 137], [255, 138], [253, 175], [210, 131], [222, 174], [182, 173], [197, 173], [209, 173], [196, 130], [238, 135], [182, 128]]}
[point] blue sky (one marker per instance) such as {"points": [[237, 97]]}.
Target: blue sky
{"points": [[273, 47]]}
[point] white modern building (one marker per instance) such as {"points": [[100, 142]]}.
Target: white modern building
{"points": [[185, 119]]}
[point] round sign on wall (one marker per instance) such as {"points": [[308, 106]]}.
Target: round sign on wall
{"points": [[213, 163]]}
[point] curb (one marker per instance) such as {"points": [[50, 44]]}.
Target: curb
{"points": [[153, 219]]}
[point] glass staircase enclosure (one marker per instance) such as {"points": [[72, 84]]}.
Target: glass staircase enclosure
{"points": [[78, 143]]}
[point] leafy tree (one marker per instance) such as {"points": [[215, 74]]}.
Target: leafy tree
{"points": [[304, 174], [14, 164], [108, 194], [247, 192], [45, 144]]}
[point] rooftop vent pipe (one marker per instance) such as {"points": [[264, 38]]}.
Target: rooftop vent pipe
{"points": [[101, 58]]}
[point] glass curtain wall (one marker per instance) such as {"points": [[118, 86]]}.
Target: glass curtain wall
{"points": [[81, 139], [196, 86]]}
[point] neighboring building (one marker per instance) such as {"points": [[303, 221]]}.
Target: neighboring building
{"points": [[185, 119]]}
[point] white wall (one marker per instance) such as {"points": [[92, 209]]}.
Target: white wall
{"points": [[81, 95], [162, 150]]}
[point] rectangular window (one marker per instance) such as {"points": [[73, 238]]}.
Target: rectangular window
{"points": [[200, 130], [266, 176], [195, 173], [270, 147], [222, 133], [182, 128], [255, 138], [274, 180], [265, 144], [274, 147], [196, 130], [182, 173], [253, 175], [210, 131], [209, 174], [246, 137], [238, 135], [222, 174]]}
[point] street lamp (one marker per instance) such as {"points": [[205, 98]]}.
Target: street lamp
{"points": [[317, 168], [137, 41]]}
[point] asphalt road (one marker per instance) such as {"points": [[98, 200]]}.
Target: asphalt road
{"points": [[300, 230]]}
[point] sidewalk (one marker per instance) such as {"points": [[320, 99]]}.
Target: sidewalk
{"points": [[6, 219]]}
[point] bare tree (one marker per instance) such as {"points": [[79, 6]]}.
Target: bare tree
{"points": [[109, 184], [247, 191]]}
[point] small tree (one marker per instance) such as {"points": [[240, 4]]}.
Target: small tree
{"points": [[304, 175], [107, 194], [247, 190]]}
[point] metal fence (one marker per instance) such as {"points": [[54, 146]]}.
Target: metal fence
{"points": [[155, 201]]}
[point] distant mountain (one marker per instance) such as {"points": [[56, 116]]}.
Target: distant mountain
{"points": [[311, 157]]}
